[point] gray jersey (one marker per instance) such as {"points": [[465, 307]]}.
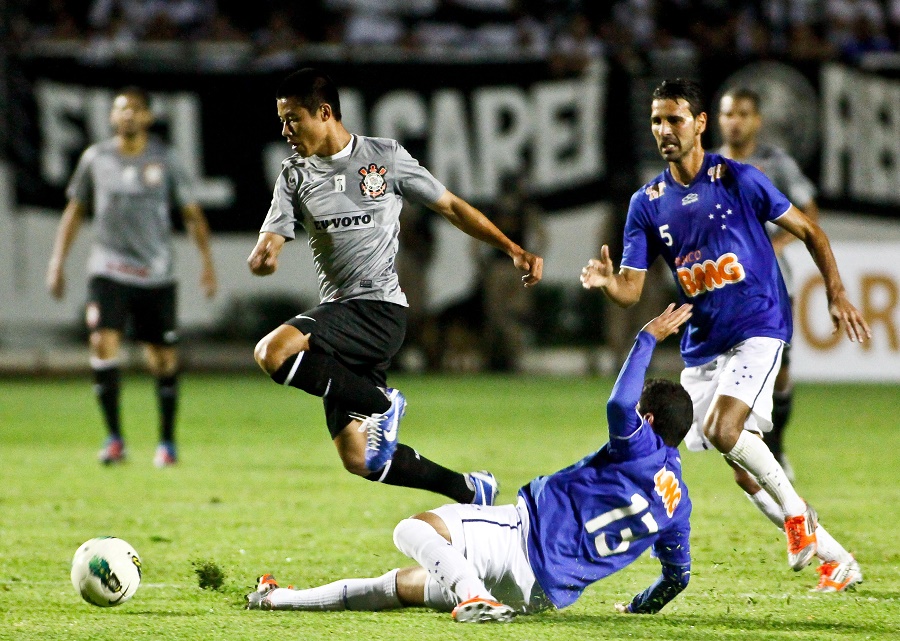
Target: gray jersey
{"points": [[785, 174], [349, 204], [130, 197]]}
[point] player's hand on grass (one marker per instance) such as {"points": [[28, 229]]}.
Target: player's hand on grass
{"points": [[845, 315], [598, 272], [669, 321], [532, 265], [622, 608]]}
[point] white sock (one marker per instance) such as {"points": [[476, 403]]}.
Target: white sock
{"points": [[371, 595], [828, 549], [420, 542], [438, 597], [767, 505], [752, 454]]}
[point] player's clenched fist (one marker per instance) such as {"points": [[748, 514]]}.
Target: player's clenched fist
{"points": [[263, 259]]}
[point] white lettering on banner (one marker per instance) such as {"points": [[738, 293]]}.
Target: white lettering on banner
{"points": [[503, 129], [400, 114], [872, 277], [57, 104], [557, 124], [569, 150], [449, 155], [182, 111], [550, 134], [62, 141], [860, 157]]}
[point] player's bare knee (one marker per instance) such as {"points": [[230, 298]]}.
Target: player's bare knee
{"points": [[722, 434], [268, 356]]}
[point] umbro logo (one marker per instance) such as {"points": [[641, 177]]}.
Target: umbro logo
{"points": [[690, 198]]}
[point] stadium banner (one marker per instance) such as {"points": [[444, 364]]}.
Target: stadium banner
{"points": [[840, 123], [474, 126], [871, 273]]}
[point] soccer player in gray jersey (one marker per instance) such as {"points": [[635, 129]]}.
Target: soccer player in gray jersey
{"points": [[346, 191], [740, 121], [129, 183]]}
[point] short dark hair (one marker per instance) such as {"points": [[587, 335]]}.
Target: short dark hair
{"points": [[312, 88], [683, 89], [744, 93], [135, 92], [671, 406]]}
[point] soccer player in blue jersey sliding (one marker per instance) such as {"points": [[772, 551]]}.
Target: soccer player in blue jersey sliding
{"points": [[568, 530], [706, 215]]}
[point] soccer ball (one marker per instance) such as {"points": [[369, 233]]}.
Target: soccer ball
{"points": [[106, 571]]}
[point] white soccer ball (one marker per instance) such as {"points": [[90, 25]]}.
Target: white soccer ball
{"points": [[106, 571]]}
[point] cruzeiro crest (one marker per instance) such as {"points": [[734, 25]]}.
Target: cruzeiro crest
{"points": [[373, 182]]}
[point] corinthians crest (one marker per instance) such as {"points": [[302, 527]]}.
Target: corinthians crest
{"points": [[373, 182]]}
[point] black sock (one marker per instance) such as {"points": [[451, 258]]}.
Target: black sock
{"points": [[409, 469], [106, 387], [167, 394], [781, 411], [318, 374]]}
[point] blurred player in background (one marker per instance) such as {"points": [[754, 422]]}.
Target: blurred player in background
{"points": [[740, 121], [346, 191], [568, 529], [129, 182], [705, 215]]}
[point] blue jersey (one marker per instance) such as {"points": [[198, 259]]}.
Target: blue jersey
{"points": [[597, 516], [712, 235]]}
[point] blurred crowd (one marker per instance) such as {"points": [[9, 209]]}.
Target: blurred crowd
{"points": [[272, 32]]}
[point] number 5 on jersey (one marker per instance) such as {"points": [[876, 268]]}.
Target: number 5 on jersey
{"points": [[665, 235]]}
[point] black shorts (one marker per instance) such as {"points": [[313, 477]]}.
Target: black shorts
{"points": [[146, 314], [362, 335]]}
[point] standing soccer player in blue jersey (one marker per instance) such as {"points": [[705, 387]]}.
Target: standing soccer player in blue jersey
{"points": [[568, 530], [705, 215]]}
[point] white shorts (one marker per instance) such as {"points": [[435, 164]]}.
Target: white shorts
{"points": [[747, 372], [494, 540]]}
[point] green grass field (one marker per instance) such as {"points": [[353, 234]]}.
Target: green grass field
{"points": [[260, 489]]}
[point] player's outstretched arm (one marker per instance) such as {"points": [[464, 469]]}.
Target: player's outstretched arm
{"points": [[620, 415], [263, 259], [624, 288], [465, 217], [65, 236], [198, 228], [669, 321], [843, 314]]}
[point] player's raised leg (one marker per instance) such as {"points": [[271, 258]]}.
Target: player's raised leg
{"points": [[362, 414], [408, 468], [284, 354]]}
